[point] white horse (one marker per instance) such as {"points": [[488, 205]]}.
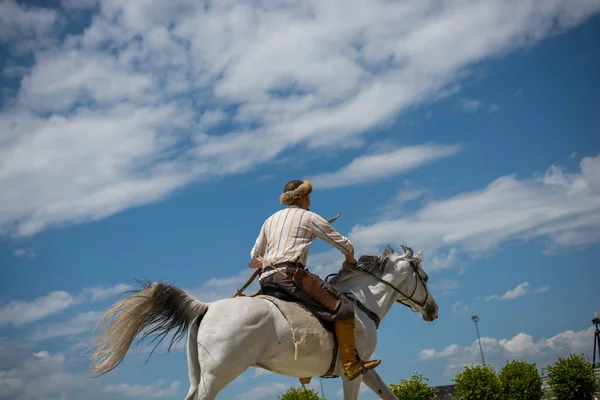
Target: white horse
{"points": [[228, 336]]}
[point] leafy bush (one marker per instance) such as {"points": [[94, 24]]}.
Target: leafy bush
{"points": [[520, 381], [478, 383], [300, 394], [415, 388], [572, 378]]}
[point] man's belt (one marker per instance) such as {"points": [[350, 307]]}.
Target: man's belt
{"points": [[288, 264]]}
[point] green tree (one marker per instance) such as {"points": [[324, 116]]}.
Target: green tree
{"points": [[478, 383], [415, 388], [572, 378], [300, 394], [521, 381]]}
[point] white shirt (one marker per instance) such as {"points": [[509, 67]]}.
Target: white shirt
{"points": [[287, 235]]}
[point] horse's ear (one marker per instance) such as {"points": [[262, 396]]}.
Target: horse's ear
{"points": [[420, 254], [388, 251]]}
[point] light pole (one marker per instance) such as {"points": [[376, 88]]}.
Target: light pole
{"points": [[596, 321], [475, 319]]}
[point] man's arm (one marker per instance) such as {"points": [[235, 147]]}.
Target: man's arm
{"points": [[323, 230], [259, 245]]}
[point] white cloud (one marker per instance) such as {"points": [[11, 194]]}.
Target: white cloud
{"points": [[11, 351], [521, 346], [99, 293], [470, 105], [19, 22], [79, 4], [80, 323], [123, 113], [521, 290], [264, 391], [262, 372], [223, 287], [363, 390], [507, 209], [42, 376], [153, 391], [18, 312], [396, 206], [460, 307], [444, 287], [380, 165], [494, 107], [27, 253], [45, 375]]}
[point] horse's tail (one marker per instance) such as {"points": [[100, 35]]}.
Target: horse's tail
{"points": [[165, 306]]}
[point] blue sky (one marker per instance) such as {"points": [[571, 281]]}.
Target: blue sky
{"points": [[151, 141]]}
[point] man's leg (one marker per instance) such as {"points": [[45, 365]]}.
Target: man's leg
{"points": [[344, 330], [343, 318]]}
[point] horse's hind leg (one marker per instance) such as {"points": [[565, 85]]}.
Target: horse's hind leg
{"points": [[228, 342]]}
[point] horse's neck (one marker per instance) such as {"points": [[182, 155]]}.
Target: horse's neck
{"points": [[376, 296]]}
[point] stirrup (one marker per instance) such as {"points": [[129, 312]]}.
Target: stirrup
{"points": [[363, 368]]}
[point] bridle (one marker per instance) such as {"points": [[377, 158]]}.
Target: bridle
{"points": [[415, 268], [373, 316]]}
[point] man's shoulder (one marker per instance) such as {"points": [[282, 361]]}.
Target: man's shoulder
{"points": [[315, 216]]}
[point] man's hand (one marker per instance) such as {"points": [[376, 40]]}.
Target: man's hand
{"points": [[255, 264]]}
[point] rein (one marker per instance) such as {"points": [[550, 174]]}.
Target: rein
{"points": [[415, 269], [374, 317]]}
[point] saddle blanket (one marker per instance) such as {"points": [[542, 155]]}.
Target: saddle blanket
{"points": [[308, 333]]}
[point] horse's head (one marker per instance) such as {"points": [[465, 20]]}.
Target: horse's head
{"points": [[409, 280]]}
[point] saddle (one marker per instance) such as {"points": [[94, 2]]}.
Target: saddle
{"points": [[308, 331], [274, 291]]}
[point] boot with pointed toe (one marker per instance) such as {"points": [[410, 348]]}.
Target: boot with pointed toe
{"points": [[353, 365]]}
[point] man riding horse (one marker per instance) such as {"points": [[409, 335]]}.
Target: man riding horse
{"points": [[281, 250]]}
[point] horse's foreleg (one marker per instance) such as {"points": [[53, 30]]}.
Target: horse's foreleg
{"points": [[376, 384], [351, 388]]}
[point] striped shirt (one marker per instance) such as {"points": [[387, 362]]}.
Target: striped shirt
{"points": [[286, 236]]}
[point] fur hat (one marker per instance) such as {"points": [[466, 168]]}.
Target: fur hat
{"points": [[289, 197]]}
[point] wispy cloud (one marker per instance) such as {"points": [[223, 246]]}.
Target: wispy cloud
{"points": [[79, 324], [27, 253], [150, 84], [262, 372], [470, 105], [551, 205], [43, 375], [264, 391], [521, 290], [154, 390], [522, 345], [444, 287], [100, 293], [19, 312], [26, 27], [460, 307], [384, 164], [225, 286]]}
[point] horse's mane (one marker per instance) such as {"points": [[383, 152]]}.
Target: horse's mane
{"points": [[371, 263]]}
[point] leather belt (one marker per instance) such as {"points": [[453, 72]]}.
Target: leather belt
{"points": [[288, 264]]}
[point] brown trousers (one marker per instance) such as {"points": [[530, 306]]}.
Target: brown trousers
{"points": [[344, 311]]}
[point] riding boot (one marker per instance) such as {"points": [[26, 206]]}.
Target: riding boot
{"points": [[353, 366]]}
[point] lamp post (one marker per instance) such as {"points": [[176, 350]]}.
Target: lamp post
{"points": [[596, 321], [475, 319]]}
